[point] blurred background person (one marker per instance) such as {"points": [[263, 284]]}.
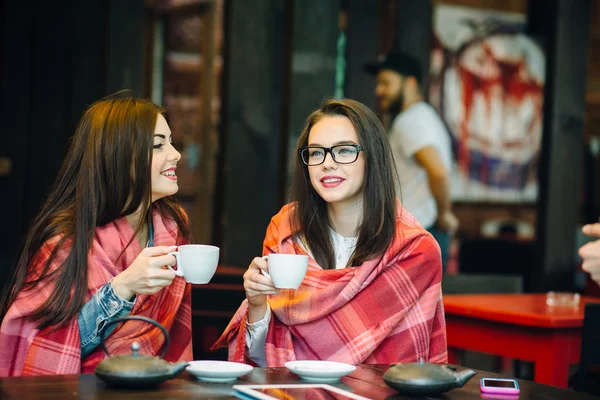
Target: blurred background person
{"points": [[421, 146]]}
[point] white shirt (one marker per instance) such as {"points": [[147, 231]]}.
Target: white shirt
{"points": [[256, 332], [413, 129]]}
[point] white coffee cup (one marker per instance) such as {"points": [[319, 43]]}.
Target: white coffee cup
{"points": [[286, 270], [197, 263]]}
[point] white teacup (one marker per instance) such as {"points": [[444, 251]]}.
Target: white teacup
{"points": [[197, 263], [287, 270]]}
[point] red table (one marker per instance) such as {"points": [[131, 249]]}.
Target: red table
{"points": [[519, 326]]}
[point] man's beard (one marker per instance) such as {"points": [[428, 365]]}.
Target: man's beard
{"points": [[397, 103]]}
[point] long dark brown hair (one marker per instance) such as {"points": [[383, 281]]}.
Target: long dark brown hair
{"points": [[310, 219], [105, 176]]}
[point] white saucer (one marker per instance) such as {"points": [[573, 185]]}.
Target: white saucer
{"points": [[217, 371], [319, 371]]}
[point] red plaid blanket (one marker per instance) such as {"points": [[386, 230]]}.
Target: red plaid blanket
{"points": [[25, 350], [388, 310]]}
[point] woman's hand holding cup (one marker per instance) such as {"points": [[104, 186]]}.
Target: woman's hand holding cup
{"points": [[147, 274], [256, 284], [257, 287], [267, 274]]}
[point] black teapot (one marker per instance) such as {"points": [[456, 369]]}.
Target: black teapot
{"points": [[425, 379], [134, 370]]}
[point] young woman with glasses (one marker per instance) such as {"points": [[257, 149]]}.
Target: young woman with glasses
{"points": [[98, 249], [372, 290]]}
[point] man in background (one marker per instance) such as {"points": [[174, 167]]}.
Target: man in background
{"points": [[421, 146]]}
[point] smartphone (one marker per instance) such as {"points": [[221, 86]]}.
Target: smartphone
{"points": [[499, 386]]}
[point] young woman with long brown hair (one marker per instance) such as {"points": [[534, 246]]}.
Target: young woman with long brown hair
{"points": [[98, 249], [372, 291]]}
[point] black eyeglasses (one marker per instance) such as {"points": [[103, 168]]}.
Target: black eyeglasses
{"points": [[341, 154]]}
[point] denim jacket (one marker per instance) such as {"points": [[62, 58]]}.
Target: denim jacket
{"points": [[104, 306]]}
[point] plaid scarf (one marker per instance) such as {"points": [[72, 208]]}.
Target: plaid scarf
{"points": [[388, 310], [26, 350]]}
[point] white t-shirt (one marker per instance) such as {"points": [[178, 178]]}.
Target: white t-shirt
{"points": [[256, 332], [413, 129]]}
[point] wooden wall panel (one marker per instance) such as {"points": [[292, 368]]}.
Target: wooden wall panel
{"points": [[363, 38], [563, 26], [249, 176], [14, 105], [53, 66], [313, 67]]}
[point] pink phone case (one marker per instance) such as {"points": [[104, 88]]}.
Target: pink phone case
{"points": [[499, 390]]}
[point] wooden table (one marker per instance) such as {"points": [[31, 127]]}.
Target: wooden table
{"points": [[519, 326], [365, 381]]}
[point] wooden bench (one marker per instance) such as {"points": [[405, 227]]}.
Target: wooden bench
{"points": [[213, 306]]}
